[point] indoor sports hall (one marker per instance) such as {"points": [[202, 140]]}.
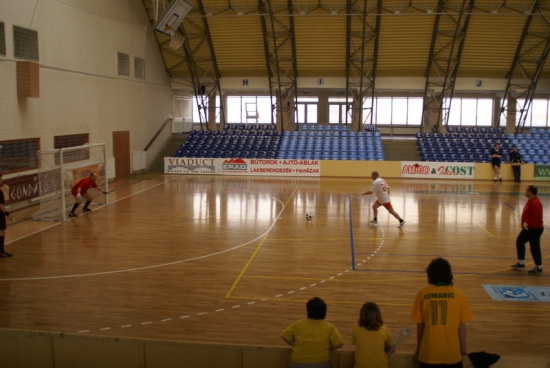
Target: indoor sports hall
{"points": [[232, 261], [195, 250]]}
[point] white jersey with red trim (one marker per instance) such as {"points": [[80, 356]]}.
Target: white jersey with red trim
{"points": [[382, 190]]}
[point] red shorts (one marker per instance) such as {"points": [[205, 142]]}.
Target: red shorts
{"points": [[387, 205]]}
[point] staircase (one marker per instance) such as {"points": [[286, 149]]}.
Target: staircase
{"points": [[401, 149], [168, 150]]}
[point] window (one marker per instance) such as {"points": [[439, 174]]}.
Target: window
{"points": [[123, 64], [337, 110], [205, 109], [306, 110], [394, 110], [537, 116], [2, 39], [73, 140], [248, 109], [64, 141], [139, 68], [19, 155], [470, 112], [25, 43]]}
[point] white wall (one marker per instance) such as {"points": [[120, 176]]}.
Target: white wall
{"points": [[80, 91], [383, 84]]}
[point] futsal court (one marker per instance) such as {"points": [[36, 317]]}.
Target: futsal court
{"points": [[232, 260]]}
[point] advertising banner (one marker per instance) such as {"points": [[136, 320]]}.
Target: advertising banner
{"points": [[270, 167], [542, 172], [21, 188], [447, 170], [242, 166], [517, 293], [187, 165]]}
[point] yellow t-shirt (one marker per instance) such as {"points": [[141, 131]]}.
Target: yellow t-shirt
{"points": [[312, 340], [369, 346], [441, 309]]}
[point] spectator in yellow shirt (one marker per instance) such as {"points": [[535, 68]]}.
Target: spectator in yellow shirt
{"points": [[441, 312], [371, 338], [312, 338]]}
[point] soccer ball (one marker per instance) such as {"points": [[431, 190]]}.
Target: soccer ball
{"points": [[309, 217]]}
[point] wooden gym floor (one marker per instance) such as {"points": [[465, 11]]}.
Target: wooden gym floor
{"points": [[232, 260]]}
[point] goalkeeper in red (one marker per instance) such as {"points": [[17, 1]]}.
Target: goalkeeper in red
{"points": [[80, 191]]}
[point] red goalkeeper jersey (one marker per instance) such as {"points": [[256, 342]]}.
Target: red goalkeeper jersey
{"points": [[84, 185]]}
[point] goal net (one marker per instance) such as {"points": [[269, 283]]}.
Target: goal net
{"points": [[59, 170]]}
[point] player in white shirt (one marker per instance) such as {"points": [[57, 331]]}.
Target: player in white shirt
{"points": [[381, 189]]}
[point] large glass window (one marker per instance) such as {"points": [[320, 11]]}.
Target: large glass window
{"points": [[470, 111], [337, 110], [205, 109], [396, 110], [248, 109], [537, 116], [306, 110]]}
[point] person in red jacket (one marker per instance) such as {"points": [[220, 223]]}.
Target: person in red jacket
{"points": [[80, 191], [531, 230]]}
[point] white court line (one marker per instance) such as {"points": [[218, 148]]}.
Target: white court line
{"points": [[162, 264], [120, 199], [253, 302]]}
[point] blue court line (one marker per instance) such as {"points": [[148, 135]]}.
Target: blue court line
{"points": [[351, 235], [512, 207]]}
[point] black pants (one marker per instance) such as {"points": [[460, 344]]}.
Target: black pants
{"points": [[533, 237], [517, 172]]}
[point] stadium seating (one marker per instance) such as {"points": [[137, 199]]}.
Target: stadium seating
{"points": [[332, 142], [465, 144]]}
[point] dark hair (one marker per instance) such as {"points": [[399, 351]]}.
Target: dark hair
{"points": [[533, 189], [370, 316], [439, 272], [316, 308]]}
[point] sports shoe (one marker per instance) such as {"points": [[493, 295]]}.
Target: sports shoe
{"points": [[401, 224], [73, 214], [86, 210], [496, 178], [535, 271], [518, 266], [500, 178], [373, 223], [6, 255]]}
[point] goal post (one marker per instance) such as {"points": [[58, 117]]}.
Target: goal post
{"points": [[59, 170]]}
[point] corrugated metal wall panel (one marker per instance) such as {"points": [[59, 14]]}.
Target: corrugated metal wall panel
{"points": [[490, 45], [321, 45], [238, 44], [404, 44], [405, 38]]}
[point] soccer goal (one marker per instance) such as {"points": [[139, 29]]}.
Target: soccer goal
{"points": [[59, 170]]}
